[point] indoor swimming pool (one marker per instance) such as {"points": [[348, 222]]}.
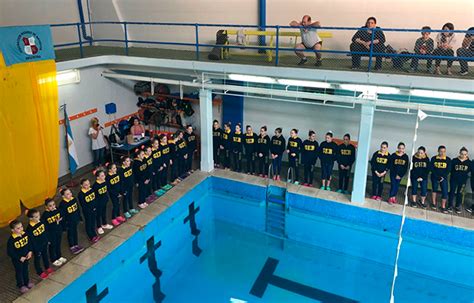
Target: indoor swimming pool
{"points": [[213, 245]]}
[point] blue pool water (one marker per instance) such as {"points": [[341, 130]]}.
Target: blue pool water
{"points": [[210, 246]]}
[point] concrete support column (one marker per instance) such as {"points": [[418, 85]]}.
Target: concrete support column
{"points": [[363, 151], [205, 108]]}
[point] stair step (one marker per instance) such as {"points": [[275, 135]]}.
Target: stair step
{"points": [[278, 214], [275, 222]]}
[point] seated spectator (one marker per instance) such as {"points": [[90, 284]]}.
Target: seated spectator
{"points": [[423, 46], [309, 39], [137, 129], [361, 43], [444, 47], [466, 50]]}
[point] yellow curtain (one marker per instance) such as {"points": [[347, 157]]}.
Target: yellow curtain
{"points": [[29, 135]]}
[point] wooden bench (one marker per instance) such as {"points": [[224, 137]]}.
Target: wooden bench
{"points": [[270, 43]]}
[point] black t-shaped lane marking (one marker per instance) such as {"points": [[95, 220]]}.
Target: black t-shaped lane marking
{"points": [[93, 297], [158, 296], [267, 277], [191, 217]]}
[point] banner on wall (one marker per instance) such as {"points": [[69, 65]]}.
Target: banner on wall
{"points": [[21, 44]]}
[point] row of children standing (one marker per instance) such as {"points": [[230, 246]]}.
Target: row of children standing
{"points": [[149, 172], [440, 168], [229, 147]]}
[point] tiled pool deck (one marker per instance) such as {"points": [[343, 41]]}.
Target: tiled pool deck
{"points": [[78, 265]]}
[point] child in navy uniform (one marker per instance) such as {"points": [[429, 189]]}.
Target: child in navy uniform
{"points": [[250, 143], [165, 159], [100, 188], [69, 208], [226, 146], [345, 159], [216, 142], [440, 168], [460, 168], [157, 164], [379, 165], [114, 188], [182, 154], [127, 184], [54, 229], [327, 155], [141, 178], [88, 201], [237, 148], [309, 156], [191, 143], [36, 231], [277, 148], [294, 149], [20, 251], [398, 165], [263, 148], [419, 176]]}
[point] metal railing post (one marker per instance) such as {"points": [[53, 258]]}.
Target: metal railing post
{"points": [[371, 49], [125, 31], [277, 44], [196, 29], [80, 40]]}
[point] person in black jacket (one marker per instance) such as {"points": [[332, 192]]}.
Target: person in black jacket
{"points": [[127, 182], [471, 209], [277, 148], [294, 149], [440, 168], [182, 154], [100, 188], [460, 168], [142, 179], [237, 148], [362, 43], [114, 188], [191, 143], [150, 165], [263, 149], [54, 230], [36, 231], [165, 158], [69, 208], [157, 164], [309, 155], [379, 165], [88, 201], [216, 142], [226, 146], [327, 157], [345, 160], [20, 251], [419, 176], [398, 165], [250, 144]]}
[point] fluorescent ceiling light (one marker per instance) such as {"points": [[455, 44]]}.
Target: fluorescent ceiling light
{"points": [[370, 88], [249, 78], [441, 95], [315, 84], [68, 77]]}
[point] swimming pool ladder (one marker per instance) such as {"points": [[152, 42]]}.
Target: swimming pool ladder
{"points": [[275, 209]]}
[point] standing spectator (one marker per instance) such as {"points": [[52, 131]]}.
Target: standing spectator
{"points": [[98, 142], [444, 47], [362, 40], [309, 39], [466, 50], [424, 47], [137, 128]]}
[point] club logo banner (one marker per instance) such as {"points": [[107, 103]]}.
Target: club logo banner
{"points": [[21, 44]]}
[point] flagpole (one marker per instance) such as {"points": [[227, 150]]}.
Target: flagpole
{"points": [[71, 182]]}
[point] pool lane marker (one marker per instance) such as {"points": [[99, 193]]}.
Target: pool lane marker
{"points": [[191, 217], [267, 277], [150, 255], [93, 297]]}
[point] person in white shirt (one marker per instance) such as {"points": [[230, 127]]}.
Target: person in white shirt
{"points": [[98, 142], [309, 39]]}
